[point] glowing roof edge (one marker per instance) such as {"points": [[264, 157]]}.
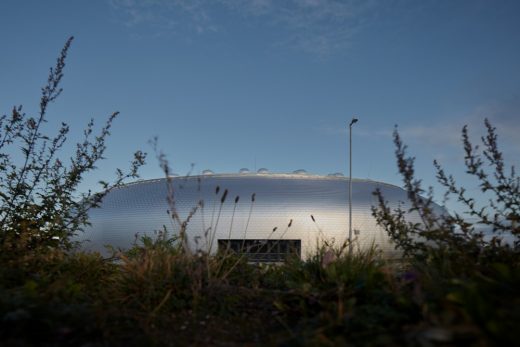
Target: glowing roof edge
{"points": [[266, 175]]}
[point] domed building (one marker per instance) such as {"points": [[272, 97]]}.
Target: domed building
{"points": [[262, 214]]}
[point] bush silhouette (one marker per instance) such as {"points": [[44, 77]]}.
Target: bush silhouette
{"points": [[39, 201]]}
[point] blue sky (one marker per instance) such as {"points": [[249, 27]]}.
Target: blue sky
{"points": [[227, 84]]}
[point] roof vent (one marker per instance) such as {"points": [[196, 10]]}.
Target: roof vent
{"points": [[335, 174], [300, 172], [207, 172], [263, 171], [244, 170]]}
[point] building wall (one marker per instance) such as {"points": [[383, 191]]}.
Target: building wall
{"points": [[142, 207]]}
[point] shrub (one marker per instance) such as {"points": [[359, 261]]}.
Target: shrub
{"points": [[464, 280], [39, 202], [452, 232], [47, 292]]}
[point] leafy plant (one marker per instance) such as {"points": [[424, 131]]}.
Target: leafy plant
{"points": [[452, 231], [39, 201], [463, 279]]}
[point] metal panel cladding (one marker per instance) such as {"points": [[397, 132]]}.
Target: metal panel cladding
{"points": [[256, 206]]}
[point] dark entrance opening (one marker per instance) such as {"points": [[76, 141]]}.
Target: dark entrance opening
{"points": [[262, 250]]}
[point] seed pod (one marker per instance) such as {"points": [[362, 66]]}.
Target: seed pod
{"points": [[224, 196]]}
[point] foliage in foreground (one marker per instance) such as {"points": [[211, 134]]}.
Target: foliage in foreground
{"points": [[469, 268], [157, 294], [454, 286], [39, 201]]}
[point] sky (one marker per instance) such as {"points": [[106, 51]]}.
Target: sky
{"points": [[231, 84]]}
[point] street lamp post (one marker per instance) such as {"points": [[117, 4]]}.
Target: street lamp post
{"points": [[354, 120]]}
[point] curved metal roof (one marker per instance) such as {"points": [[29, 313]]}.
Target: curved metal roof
{"points": [[245, 175]]}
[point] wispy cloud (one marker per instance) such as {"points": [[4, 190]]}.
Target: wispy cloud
{"points": [[314, 26], [446, 135], [319, 27], [433, 135], [443, 139], [504, 115], [165, 17]]}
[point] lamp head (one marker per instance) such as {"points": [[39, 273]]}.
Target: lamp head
{"points": [[354, 120]]}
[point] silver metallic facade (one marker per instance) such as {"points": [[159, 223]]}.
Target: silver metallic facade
{"points": [[315, 207]]}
